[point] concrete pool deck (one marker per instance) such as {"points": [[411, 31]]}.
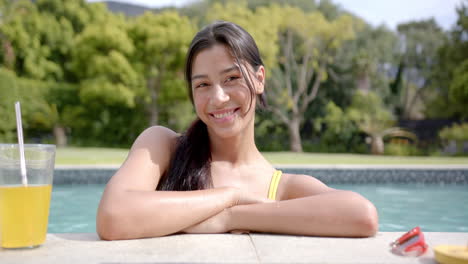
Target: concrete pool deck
{"points": [[224, 248]]}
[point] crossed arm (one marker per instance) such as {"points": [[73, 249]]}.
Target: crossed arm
{"points": [[331, 213], [130, 208], [137, 214]]}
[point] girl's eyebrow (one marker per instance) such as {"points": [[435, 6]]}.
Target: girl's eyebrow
{"points": [[201, 76], [232, 68]]}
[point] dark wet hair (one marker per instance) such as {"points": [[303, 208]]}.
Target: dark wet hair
{"points": [[189, 168]]}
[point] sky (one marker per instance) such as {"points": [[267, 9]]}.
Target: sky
{"points": [[375, 12]]}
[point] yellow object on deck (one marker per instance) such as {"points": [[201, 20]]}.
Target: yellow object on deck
{"points": [[451, 254]]}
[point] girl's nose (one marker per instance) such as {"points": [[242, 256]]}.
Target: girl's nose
{"points": [[219, 95]]}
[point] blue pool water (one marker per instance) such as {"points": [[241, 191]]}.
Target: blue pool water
{"points": [[435, 208]]}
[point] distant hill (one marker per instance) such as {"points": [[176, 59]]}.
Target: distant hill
{"points": [[127, 9]]}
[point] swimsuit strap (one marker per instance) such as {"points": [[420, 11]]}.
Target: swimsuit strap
{"points": [[275, 179]]}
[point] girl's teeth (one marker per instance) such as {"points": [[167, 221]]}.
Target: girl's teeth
{"points": [[223, 115]]}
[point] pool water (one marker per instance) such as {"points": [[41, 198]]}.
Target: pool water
{"points": [[435, 208]]}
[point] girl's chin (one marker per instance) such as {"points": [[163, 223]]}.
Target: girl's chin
{"points": [[224, 132]]}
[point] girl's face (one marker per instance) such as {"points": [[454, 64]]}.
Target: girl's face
{"points": [[220, 93]]}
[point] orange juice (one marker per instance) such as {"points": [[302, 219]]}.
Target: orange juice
{"points": [[24, 211]]}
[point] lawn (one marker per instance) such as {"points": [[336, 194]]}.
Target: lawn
{"points": [[78, 156], [94, 156]]}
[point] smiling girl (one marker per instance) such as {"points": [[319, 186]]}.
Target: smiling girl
{"points": [[213, 179]]}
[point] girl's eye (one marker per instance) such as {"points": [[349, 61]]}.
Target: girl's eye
{"points": [[201, 85], [232, 78]]}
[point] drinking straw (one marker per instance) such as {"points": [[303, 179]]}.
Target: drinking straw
{"points": [[19, 129]]}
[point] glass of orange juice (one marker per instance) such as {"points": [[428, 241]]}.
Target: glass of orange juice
{"points": [[24, 206]]}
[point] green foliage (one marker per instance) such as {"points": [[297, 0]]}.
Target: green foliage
{"points": [[34, 36], [76, 65], [39, 115], [449, 57], [365, 57], [100, 61], [179, 115], [161, 41], [419, 43], [265, 34], [338, 132], [270, 134], [455, 136], [8, 93], [369, 113], [42, 35], [458, 90], [457, 132], [371, 117], [394, 149]]}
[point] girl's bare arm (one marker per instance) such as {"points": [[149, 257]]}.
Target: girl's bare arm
{"points": [[309, 208], [306, 207], [131, 208]]}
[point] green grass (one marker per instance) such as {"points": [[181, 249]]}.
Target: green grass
{"points": [[89, 156], [95, 156], [332, 158]]}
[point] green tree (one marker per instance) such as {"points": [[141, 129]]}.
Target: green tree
{"points": [[458, 90], [419, 42], [264, 33], [369, 56], [41, 35], [449, 74], [161, 42], [9, 94], [456, 135], [338, 131], [100, 60], [309, 44], [297, 48], [369, 114], [40, 38]]}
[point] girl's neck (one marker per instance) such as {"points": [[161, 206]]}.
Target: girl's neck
{"points": [[237, 150]]}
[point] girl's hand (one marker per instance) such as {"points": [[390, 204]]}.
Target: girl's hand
{"points": [[214, 225], [221, 222], [242, 197]]}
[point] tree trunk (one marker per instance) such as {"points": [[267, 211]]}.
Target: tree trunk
{"points": [[377, 145], [363, 82], [60, 136], [295, 143], [8, 54]]}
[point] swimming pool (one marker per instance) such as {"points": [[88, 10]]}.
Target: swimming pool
{"points": [[402, 206]]}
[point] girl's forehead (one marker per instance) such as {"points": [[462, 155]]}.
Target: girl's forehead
{"points": [[215, 59], [214, 54]]}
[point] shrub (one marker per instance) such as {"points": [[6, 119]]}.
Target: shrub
{"points": [[454, 138], [395, 149], [457, 132]]}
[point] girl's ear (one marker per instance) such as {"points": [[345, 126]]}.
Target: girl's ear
{"points": [[260, 76]]}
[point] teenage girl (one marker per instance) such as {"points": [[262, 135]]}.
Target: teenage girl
{"points": [[213, 179]]}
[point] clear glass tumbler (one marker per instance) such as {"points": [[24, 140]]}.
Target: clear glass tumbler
{"points": [[24, 207]]}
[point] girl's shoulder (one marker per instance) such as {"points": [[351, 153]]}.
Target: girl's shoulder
{"points": [[157, 137], [299, 185], [149, 156]]}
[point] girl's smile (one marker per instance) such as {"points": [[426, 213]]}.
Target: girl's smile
{"points": [[224, 116]]}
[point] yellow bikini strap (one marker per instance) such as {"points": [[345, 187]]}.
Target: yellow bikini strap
{"points": [[274, 184]]}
